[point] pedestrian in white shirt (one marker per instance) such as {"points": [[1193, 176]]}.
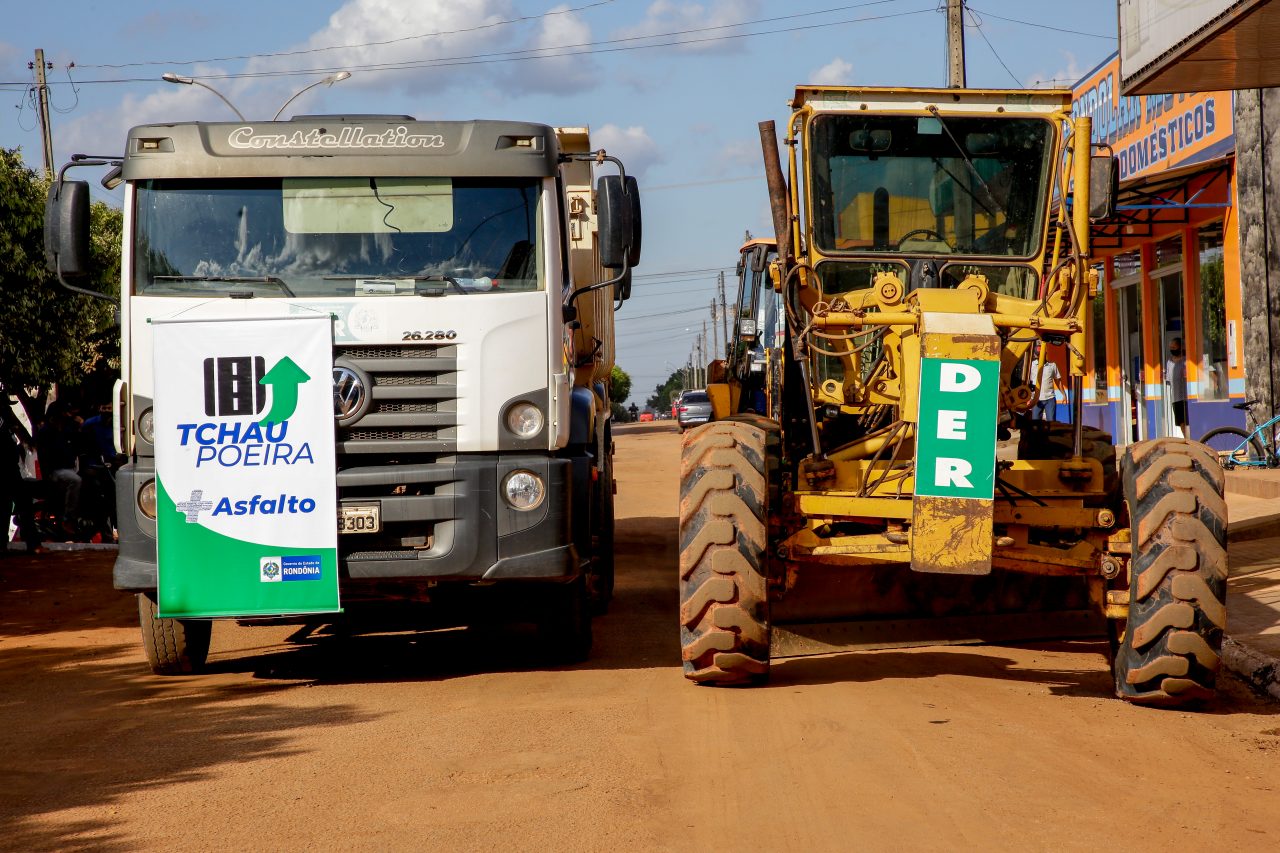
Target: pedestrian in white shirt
{"points": [[1049, 382]]}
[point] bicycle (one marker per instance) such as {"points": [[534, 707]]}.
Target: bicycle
{"points": [[1236, 448]]}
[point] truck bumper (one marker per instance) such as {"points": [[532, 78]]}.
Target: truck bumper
{"points": [[440, 521]]}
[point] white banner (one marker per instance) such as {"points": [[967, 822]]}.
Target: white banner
{"points": [[245, 468]]}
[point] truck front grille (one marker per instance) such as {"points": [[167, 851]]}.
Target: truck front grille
{"points": [[414, 406]]}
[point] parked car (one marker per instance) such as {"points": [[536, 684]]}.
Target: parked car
{"points": [[694, 409], [646, 417]]}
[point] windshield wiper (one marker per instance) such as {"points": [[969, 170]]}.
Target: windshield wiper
{"points": [[973, 170], [231, 279]]}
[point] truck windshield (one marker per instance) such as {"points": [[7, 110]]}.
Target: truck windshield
{"points": [[928, 185], [337, 236]]}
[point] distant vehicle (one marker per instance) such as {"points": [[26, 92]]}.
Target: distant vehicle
{"points": [[646, 417], [694, 408]]}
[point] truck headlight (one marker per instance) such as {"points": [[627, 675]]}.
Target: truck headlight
{"points": [[147, 499], [524, 490], [524, 420], [147, 426]]}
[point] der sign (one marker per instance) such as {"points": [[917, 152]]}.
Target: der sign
{"points": [[955, 454]]}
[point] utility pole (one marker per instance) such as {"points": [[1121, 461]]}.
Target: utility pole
{"points": [[724, 316], [955, 44], [706, 354], [42, 95], [715, 338]]}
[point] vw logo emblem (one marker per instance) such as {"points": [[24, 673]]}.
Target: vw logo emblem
{"points": [[350, 393]]}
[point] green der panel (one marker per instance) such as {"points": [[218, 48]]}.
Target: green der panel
{"points": [[956, 445]]}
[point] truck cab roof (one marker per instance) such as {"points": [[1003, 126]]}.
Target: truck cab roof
{"points": [[339, 145]]}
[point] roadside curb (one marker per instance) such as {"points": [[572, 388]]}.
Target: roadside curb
{"points": [[1254, 528], [1260, 671], [21, 547]]}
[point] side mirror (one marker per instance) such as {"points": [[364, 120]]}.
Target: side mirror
{"points": [[66, 228], [760, 259], [1104, 186], [618, 221]]}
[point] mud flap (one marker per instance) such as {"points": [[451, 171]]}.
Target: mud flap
{"points": [[954, 535]]}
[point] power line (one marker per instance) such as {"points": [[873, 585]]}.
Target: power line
{"points": [[485, 27], [592, 47], [689, 310], [1043, 26], [977, 25], [649, 189], [477, 28], [679, 272], [515, 56]]}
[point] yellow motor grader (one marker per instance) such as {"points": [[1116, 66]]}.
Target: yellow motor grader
{"points": [[891, 486]]}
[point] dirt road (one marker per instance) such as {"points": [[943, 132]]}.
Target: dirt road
{"points": [[458, 741]]}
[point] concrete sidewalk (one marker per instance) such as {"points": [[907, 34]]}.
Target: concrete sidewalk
{"points": [[1252, 646]]}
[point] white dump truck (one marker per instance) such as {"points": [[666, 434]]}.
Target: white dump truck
{"points": [[471, 272]]}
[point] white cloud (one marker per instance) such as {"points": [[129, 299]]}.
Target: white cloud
{"points": [[741, 157], [9, 57], [632, 145], [562, 74], [670, 16], [834, 73], [1063, 78]]}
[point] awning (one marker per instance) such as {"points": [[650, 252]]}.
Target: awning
{"points": [[1167, 197]]}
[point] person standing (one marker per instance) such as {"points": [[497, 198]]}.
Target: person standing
{"points": [[1049, 383], [1175, 383], [16, 495], [56, 453]]}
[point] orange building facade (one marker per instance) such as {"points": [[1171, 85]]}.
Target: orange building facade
{"points": [[1170, 263]]}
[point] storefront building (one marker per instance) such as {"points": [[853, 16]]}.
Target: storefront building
{"points": [[1169, 262]]}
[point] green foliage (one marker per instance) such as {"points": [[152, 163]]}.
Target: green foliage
{"points": [[54, 336], [666, 391], [619, 384]]}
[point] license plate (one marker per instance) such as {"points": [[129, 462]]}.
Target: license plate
{"points": [[359, 519]]}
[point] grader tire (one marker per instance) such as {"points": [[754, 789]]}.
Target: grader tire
{"points": [[724, 602], [1172, 642]]}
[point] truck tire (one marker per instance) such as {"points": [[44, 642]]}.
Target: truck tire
{"points": [[602, 564], [724, 586], [173, 646], [1169, 651], [564, 626]]}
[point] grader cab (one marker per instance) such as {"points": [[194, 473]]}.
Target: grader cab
{"points": [[887, 484]]}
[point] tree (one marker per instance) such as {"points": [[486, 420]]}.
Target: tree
{"points": [[54, 336], [619, 385], [619, 391], [665, 391]]}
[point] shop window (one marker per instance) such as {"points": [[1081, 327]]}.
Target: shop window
{"points": [[1098, 331], [1169, 252], [1123, 266], [1213, 315]]}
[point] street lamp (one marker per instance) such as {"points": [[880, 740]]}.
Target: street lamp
{"points": [[328, 81], [170, 77]]}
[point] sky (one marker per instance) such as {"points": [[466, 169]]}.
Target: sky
{"points": [[675, 89]]}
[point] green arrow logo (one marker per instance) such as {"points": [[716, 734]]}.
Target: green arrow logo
{"points": [[284, 380]]}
